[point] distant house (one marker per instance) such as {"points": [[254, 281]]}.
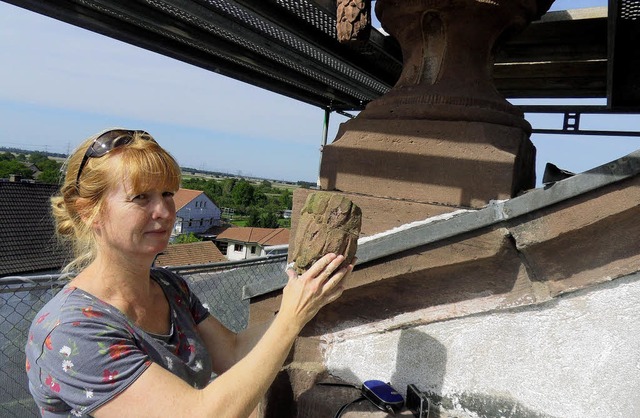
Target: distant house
{"points": [[248, 242], [28, 244], [195, 212], [203, 252]]}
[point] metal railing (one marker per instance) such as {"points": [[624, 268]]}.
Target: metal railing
{"points": [[219, 286]]}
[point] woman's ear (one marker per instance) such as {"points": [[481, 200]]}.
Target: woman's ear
{"points": [[89, 216]]}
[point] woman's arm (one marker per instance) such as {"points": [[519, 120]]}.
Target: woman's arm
{"points": [[236, 392], [225, 347]]}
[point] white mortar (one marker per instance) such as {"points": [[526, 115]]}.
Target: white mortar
{"points": [[574, 357]]}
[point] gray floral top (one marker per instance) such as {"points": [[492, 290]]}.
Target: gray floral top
{"points": [[82, 352]]}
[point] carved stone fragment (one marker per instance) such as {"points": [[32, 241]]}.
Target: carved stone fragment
{"points": [[329, 223], [353, 21]]}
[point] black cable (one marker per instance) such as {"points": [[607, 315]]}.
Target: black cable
{"points": [[386, 408], [345, 406]]}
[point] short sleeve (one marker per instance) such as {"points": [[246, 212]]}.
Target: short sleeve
{"points": [[83, 352], [87, 363]]}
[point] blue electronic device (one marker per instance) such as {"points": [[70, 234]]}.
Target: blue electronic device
{"points": [[382, 395]]}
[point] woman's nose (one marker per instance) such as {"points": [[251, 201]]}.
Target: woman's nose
{"points": [[162, 208]]}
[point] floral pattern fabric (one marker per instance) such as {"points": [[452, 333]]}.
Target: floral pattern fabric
{"points": [[82, 352]]}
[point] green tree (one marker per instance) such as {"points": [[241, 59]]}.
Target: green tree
{"points": [[50, 176], [193, 183], [264, 187], [49, 171], [48, 165], [242, 193], [14, 167], [254, 218], [269, 220], [186, 238], [284, 223], [228, 185], [38, 157], [262, 219], [7, 156], [286, 199], [260, 200], [213, 190]]}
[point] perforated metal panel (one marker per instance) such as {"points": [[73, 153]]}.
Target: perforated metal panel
{"points": [[630, 10], [291, 47], [624, 54]]}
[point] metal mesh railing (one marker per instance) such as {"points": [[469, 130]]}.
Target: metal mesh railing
{"points": [[219, 286]]}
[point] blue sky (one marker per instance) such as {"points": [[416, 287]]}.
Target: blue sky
{"points": [[60, 84]]}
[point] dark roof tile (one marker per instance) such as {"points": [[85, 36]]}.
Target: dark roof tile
{"points": [[27, 234]]}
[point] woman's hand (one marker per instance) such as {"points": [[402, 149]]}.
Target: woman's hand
{"points": [[304, 295]]}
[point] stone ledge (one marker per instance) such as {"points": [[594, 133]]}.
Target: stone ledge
{"points": [[521, 251]]}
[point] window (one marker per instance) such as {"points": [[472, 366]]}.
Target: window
{"points": [[238, 247], [253, 249]]}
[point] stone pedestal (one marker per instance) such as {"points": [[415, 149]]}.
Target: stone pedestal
{"points": [[443, 134], [454, 163]]}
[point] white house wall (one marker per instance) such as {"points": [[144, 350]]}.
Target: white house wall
{"points": [[195, 211], [574, 357], [245, 253], [233, 255]]}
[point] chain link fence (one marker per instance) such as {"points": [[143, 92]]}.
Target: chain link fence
{"points": [[219, 286]]}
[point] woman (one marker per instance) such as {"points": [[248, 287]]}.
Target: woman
{"points": [[125, 339]]}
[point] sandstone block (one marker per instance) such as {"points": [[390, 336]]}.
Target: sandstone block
{"points": [[328, 223], [464, 164]]}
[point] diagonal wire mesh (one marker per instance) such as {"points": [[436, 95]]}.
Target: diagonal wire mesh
{"points": [[219, 287]]}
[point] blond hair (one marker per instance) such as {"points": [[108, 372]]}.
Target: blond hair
{"points": [[143, 163]]}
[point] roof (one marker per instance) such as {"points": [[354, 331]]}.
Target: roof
{"points": [[184, 196], [291, 47], [202, 252], [262, 236], [28, 243]]}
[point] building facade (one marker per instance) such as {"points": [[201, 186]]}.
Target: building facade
{"points": [[248, 242], [195, 213]]}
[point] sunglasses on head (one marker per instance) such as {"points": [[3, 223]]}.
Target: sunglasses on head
{"points": [[107, 142]]}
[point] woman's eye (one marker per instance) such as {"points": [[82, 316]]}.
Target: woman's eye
{"points": [[168, 194], [139, 197]]}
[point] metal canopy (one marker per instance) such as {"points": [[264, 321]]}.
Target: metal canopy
{"points": [[290, 47]]}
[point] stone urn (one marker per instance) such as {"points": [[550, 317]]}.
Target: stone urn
{"points": [[443, 134]]}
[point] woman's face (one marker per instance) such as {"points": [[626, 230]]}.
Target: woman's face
{"points": [[136, 225]]}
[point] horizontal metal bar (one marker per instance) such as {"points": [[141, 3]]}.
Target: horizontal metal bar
{"points": [[603, 110], [343, 113], [585, 132], [42, 278], [224, 264]]}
